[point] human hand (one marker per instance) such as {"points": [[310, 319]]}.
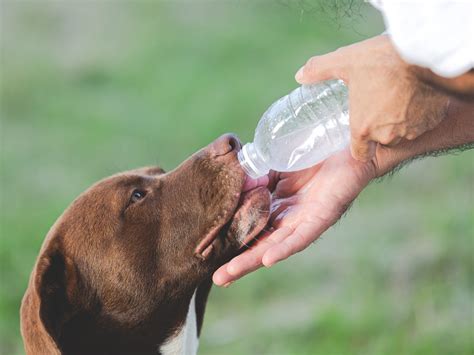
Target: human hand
{"points": [[305, 204], [387, 101]]}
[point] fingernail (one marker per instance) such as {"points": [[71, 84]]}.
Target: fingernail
{"points": [[299, 74], [231, 269], [268, 264], [228, 284]]}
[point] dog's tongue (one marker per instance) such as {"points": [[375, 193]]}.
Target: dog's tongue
{"points": [[251, 183]]}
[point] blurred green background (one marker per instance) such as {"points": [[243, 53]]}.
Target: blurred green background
{"points": [[90, 88]]}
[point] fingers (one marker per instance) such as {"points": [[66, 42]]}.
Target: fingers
{"points": [[221, 277], [290, 183], [393, 142], [362, 148], [250, 260], [300, 239], [319, 68]]}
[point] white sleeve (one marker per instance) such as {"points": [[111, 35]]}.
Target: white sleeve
{"points": [[435, 34]]}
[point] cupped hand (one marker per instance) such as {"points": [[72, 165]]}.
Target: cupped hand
{"points": [[387, 100], [304, 205]]}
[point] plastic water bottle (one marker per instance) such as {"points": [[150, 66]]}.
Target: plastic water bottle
{"points": [[299, 130]]}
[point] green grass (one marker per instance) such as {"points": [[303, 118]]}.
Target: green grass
{"points": [[92, 88]]}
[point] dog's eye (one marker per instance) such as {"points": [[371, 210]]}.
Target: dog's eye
{"points": [[137, 195]]}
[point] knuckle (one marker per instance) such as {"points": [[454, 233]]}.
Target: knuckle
{"points": [[415, 132], [387, 138], [402, 130], [411, 136], [362, 132], [384, 141]]}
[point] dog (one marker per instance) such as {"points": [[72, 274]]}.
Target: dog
{"points": [[126, 269]]}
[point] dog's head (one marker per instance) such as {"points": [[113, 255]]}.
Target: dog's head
{"points": [[133, 246]]}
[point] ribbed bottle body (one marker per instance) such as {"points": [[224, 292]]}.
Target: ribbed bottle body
{"points": [[305, 127]]}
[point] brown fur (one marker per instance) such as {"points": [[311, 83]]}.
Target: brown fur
{"points": [[115, 275]]}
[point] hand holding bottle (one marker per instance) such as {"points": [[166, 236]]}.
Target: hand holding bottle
{"points": [[387, 100]]}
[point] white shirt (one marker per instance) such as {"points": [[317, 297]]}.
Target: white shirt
{"points": [[435, 34]]}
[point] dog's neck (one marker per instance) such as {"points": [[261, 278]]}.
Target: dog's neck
{"points": [[185, 340]]}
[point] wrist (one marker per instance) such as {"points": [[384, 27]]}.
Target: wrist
{"points": [[456, 130]]}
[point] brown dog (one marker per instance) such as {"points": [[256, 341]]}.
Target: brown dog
{"points": [[127, 268]]}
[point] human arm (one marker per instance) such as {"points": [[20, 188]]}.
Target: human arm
{"points": [[307, 203]]}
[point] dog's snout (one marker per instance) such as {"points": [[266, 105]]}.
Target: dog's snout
{"points": [[225, 144]]}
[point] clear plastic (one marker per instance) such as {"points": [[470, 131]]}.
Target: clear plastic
{"points": [[299, 130]]}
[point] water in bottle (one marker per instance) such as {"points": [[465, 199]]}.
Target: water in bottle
{"points": [[299, 130]]}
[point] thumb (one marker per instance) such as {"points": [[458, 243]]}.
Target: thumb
{"points": [[362, 148], [320, 68]]}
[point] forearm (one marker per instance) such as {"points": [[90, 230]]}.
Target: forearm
{"points": [[455, 131]]}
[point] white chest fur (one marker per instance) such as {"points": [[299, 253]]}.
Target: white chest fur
{"points": [[186, 341]]}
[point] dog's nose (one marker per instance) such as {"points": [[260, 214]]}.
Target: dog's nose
{"points": [[225, 144]]}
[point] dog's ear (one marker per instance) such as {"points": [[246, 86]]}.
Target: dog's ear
{"points": [[148, 170], [55, 284], [49, 301]]}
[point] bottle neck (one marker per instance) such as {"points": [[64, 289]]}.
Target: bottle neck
{"points": [[251, 162]]}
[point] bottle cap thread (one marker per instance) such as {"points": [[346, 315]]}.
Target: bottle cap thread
{"points": [[251, 163]]}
